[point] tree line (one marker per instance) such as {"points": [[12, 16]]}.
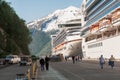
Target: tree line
{"points": [[14, 34]]}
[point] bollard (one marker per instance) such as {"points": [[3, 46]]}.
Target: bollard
{"points": [[28, 74], [34, 67]]}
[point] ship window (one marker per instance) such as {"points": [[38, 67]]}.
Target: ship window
{"points": [[74, 28], [71, 25], [95, 45], [98, 10], [99, 36], [94, 5], [95, 18], [86, 39], [88, 2], [91, 37], [109, 33]]}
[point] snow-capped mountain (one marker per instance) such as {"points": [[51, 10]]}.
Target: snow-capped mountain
{"points": [[40, 39], [51, 21]]}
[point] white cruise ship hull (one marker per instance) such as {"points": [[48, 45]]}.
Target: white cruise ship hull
{"points": [[70, 48], [107, 47]]}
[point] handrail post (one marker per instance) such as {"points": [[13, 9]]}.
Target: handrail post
{"points": [[28, 74]]}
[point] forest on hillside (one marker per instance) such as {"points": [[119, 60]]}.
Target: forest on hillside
{"points": [[14, 34], [41, 42]]}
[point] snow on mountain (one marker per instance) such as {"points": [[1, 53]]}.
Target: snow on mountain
{"points": [[52, 20]]}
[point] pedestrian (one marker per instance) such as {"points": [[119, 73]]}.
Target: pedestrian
{"points": [[42, 62], [81, 57], [111, 61], [73, 59], [65, 58], [47, 59], [76, 58], [101, 61]]}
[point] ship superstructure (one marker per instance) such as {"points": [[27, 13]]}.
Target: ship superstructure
{"points": [[103, 36]]}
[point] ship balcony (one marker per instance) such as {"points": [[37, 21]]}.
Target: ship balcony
{"points": [[116, 21], [104, 27], [75, 37]]}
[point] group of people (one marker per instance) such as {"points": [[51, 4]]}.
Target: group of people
{"points": [[110, 62], [76, 58], [44, 62]]}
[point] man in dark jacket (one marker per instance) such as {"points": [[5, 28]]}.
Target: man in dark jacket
{"points": [[47, 59], [42, 62]]}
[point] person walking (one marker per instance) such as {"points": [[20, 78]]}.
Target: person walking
{"points": [[81, 57], [76, 58], [42, 62], [65, 58], [47, 59], [101, 61], [73, 59], [111, 61]]}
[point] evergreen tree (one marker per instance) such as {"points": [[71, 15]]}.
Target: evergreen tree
{"points": [[15, 36]]}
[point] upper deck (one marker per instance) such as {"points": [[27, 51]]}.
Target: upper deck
{"points": [[69, 29], [107, 27]]}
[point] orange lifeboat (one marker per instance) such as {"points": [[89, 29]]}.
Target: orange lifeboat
{"points": [[94, 27], [104, 23], [116, 14]]}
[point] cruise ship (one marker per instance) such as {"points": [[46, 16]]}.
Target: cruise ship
{"points": [[103, 22], [68, 41]]}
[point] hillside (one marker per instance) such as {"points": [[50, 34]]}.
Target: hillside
{"points": [[39, 40], [12, 29]]}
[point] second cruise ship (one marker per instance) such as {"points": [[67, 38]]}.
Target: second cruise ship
{"points": [[103, 22], [68, 41]]}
